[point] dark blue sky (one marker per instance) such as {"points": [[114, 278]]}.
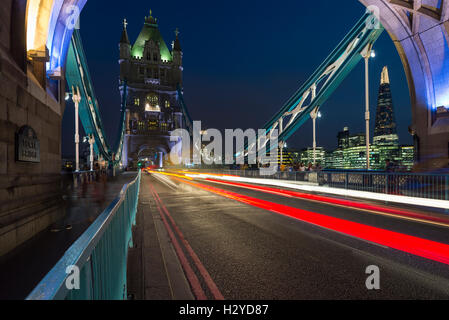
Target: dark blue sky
{"points": [[242, 60]]}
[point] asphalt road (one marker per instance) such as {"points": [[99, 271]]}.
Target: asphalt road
{"points": [[252, 253]]}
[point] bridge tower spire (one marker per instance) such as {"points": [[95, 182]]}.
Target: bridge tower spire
{"points": [[124, 45], [177, 57]]}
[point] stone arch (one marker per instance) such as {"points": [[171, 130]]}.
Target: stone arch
{"points": [[419, 30], [155, 148], [49, 25], [37, 21]]}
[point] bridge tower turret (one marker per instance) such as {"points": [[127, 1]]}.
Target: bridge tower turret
{"points": [[125, 50], [153, 73], [177, 59]]}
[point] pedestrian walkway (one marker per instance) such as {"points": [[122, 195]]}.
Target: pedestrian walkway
{"points": [[154, 271], [23, 268]]}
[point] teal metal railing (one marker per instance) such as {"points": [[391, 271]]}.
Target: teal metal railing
{"points": [[100, 255], [418, 185]]}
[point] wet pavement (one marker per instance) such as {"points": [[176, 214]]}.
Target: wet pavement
{"points": [[253, 253], [22, 269]]}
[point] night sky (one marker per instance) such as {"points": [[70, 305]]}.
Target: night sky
{"points": [[242, 61]]}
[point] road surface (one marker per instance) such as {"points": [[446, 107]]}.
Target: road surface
{"points": [[235, 249]]}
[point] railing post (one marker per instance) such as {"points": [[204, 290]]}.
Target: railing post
{"points": [[347, 181], [386, 183], [446, 190]]}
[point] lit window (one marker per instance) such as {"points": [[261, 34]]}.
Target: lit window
{"points": [[141, 126], [167, 104], [137, 101], [153, 100], [153, 125], [149, 108]]}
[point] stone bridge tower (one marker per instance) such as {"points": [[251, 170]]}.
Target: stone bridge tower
{"points": [[152, 73]]}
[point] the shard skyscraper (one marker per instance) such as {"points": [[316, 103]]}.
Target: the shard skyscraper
{"points": [[385, 131]]}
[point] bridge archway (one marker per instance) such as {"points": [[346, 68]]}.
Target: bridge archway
{"points": [[151, 154], [419, 30], [49, 28]]}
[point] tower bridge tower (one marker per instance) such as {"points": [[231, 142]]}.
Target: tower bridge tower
{"points": [[152, 73]]}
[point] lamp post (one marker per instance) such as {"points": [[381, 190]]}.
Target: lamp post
{"points": [[76, 98], [113, 165], [281, 147], [315, 114], [91, 143], [367, 53]]}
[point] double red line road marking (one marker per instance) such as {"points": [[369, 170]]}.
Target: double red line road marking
{"points": [[193, 279]]}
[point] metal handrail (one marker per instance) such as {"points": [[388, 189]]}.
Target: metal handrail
{"points": [[398, 173], [418, 185], [83, 252]]}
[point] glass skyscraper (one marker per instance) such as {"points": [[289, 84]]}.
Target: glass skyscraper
{"points": [[385, 130], [351, 151]]}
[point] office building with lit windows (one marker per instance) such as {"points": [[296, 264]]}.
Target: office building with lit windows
{"points": [[351, 151], [307, 156]]}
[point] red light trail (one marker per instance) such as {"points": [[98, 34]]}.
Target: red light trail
{"points": [[417, 246], [339, 202]]}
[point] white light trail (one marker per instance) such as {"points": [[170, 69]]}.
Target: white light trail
{"points": [[432, 203]]}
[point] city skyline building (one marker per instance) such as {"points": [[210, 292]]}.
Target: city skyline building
{"points": [[306, 156], [385, 129], [351, 148]]}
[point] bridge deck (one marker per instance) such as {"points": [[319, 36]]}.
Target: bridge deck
{"points": [[237, 248]]}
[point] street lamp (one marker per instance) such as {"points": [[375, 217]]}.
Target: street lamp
{"points": [[76, 98], [314, 115], [367, 53], [91, 157]]}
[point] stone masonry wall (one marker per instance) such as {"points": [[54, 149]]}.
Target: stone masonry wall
{"points": [[30, 194]]}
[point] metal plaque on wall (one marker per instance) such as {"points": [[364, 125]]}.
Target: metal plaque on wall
{"points": [[27, 145]]}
